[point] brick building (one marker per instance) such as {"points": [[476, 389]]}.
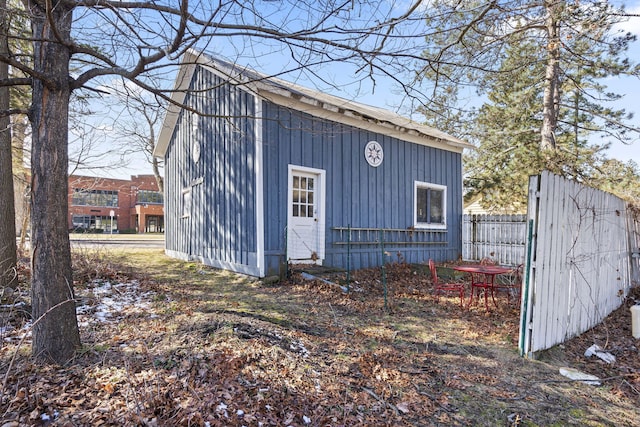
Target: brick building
{"points": [[117, 205]]}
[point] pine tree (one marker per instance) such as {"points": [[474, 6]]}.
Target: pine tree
{"points": [[538, 69]]}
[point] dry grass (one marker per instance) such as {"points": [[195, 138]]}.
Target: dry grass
{"points": [[223, 349]]}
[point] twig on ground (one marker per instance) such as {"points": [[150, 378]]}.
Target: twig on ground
{"points": [[381, 400], [447, 408], [635, 390], [335, 318]]}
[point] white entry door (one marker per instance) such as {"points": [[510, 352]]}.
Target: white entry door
{"points": [[305, 227]]}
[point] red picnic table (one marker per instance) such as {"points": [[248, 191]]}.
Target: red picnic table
{"points": [[483, 278]]}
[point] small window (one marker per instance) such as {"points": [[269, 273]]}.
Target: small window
{"points": [[430, 201], [86, 197], [150, 197], [186, 202], [303, 194]]}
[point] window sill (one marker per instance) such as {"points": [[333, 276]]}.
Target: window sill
{"points": [[430, 226]]}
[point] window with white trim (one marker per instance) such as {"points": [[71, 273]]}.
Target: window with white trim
{"points": [[186, 202], [429, 205]]}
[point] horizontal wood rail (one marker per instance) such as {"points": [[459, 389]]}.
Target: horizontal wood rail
{"points": [[390, 236]]}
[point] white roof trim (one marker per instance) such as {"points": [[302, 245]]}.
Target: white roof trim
{"points": [[316, 103], [181, 84]]}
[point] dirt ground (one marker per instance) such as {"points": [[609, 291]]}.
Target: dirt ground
{"points": [[215, 349]]}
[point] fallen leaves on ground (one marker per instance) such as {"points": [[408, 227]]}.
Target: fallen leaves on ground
{"points": [[305, 353]]}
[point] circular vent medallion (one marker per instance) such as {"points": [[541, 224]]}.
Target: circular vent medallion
{"points": [[373, 153]]}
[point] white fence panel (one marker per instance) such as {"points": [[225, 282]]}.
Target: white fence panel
{"points": [[634, 244], [501, 237], [579, 269]]}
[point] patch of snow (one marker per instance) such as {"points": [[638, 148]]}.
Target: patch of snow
{"points": [[104, 301], [222, 409], [299, 348], [17, 335], [19, 304], [100, 302]]}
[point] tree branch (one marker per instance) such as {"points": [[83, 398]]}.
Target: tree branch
{"points": [[16, 81]]}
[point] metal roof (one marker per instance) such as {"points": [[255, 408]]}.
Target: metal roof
{"points": [[304, 99]]}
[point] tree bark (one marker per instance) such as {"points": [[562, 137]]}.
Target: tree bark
{"points": [[21, 178], [8, 250], [55, 331], [156, 173], [552, 75]]}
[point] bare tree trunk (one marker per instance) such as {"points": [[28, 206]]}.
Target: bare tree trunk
{"points": [[25, 224], [156, 173], [152, 115], [551, 85], [55, 335], [8, 250], [21, 179]]}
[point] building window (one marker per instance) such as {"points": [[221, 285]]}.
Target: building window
{"points": [[430, 201], [94, 223], [84, 197], [186, 202], [81, 221], [151, 197]]}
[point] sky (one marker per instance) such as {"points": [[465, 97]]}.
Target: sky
{"points": [[630, 88], [384, 94]]}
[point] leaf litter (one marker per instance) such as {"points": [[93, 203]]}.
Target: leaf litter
{"points": [[237, 352]]}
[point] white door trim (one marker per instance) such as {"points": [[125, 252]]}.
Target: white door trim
{"points": [[320, 204], [258, 170]]}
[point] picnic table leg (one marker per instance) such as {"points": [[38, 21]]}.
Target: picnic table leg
{"points": [[493, 278], [472, 288], [485, 289]]}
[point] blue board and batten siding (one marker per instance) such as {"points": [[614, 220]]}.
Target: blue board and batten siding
{"points": [[357, 194], [220, 228], [239, 185]]}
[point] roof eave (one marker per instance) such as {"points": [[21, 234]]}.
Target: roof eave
{"points": [[290, 95]]}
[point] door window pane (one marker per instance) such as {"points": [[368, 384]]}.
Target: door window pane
{"points": [[303, 196]]}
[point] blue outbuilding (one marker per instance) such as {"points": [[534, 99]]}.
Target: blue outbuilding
{"points": [[260, 172]]}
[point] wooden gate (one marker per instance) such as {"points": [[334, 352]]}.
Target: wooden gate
{"points": [[578, 263]]}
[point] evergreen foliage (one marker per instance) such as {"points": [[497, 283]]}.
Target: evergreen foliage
{"points": [[526, 79]]}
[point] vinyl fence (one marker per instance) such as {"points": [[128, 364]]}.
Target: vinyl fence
{"points": [[578, 267]]}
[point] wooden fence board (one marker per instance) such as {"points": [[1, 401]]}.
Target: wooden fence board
{"points": [[580, 266], [580, 261], [501, 237]]}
